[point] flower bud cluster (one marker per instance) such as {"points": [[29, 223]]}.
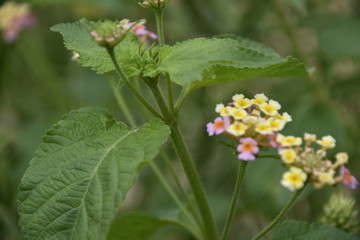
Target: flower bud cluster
{"points": [[157, 4], [311, 163], [252, 122], [13, 18], [340, 212], [108, 33]]}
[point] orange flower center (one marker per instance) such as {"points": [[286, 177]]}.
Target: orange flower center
{"points": [[219, 125], [348, 176], [248, 147]]}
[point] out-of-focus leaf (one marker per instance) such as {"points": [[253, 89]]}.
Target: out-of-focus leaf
{"points": [[297, 230], [136, 226], [81, 173]]}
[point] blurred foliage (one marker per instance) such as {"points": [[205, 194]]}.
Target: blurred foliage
{"points": [[39, 83]]}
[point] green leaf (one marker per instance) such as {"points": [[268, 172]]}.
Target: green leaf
{"points": [[297, 230], [202, 62], [136, 226], [81, 173], [77, 38]]}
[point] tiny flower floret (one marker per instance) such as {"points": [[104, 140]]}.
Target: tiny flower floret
{"points": [[294, 179], [156, 4], [327, 142], [342, 158], [240, 101], [288, 155], [247, 149], [288, 141], [259, 99], [271, 108], [349, 180], [220, 125]]}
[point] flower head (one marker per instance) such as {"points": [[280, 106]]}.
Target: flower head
{"points": [[159, 4], [348, 179], [294, 179], [13, 18], [247, 149], [108, 33], [220, 125]]}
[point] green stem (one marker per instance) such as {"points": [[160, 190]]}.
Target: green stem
{"points": [[159, 15], [129, 85], [190, 170], [122, 104], [280, 216], [175, 198], [230, 217]]}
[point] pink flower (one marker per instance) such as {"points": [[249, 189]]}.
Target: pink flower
{"points": [[140, 30], [219, 126], [348, 179], [247, 149], [13, 18], [273, 142]]}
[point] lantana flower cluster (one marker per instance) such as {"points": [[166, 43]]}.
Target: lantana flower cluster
{"points": [[253, 122], [13, 18], [310, 163], [256, 123], [108, 33]]}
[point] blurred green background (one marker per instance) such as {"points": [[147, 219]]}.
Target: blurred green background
{"points": [[39, 83]]}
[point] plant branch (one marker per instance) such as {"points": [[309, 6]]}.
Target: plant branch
{"points": [[129, 85], [280, 215], [230, 217]]}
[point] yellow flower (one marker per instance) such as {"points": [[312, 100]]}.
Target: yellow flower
{"points": [[259, 99], [237, 129], [263, 128], [294, 179], [240, 101], [237, 113], [270, 108], [309, 137], [10, 11], [250, 120], [284, 117], [327, 142], [326, 177], [220, 108], [276, 124], [288, 155], [288, 141], [342, 158]]}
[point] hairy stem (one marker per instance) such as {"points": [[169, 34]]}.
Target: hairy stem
{"points": [[230, 217], [280, 215], [209, 230]]}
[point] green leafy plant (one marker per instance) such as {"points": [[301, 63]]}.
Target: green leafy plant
{"points": [[88, 161]]}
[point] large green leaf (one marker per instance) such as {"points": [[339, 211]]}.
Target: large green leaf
{"points": [[81, 173], [78, 39], [136, 226], [297, 230], [201, 62]]}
